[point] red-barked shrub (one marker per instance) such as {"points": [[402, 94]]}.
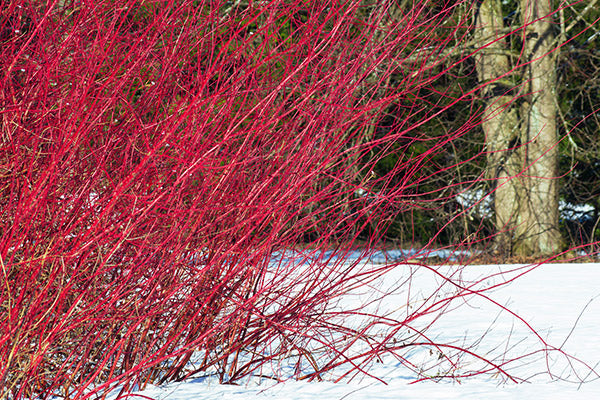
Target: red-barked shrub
{"points": [[155, 157]]}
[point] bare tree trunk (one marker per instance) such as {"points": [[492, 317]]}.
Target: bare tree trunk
{"points": [[537, 223], [521, 142], [500, 120]]}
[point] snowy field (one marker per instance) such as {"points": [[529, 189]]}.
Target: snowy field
{"points": [[560, 301]]}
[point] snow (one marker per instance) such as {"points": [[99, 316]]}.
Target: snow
{"points": [[560, 301]]}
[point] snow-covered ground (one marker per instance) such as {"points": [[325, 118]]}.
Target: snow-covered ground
{"points": [[560, 301]]}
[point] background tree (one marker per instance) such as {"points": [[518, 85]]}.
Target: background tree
{"points": [[521, 55], [521, 134], [528, 43]]}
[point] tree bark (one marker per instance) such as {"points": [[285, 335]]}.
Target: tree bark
{"points": [[522, 156], [500, 119], [537, 225]]}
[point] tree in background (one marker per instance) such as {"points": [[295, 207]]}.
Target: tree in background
{"points": [[520, 126], [538, 99], [519, 65]]}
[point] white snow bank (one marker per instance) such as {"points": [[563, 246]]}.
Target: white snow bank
{"points": [[561, 301]]}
